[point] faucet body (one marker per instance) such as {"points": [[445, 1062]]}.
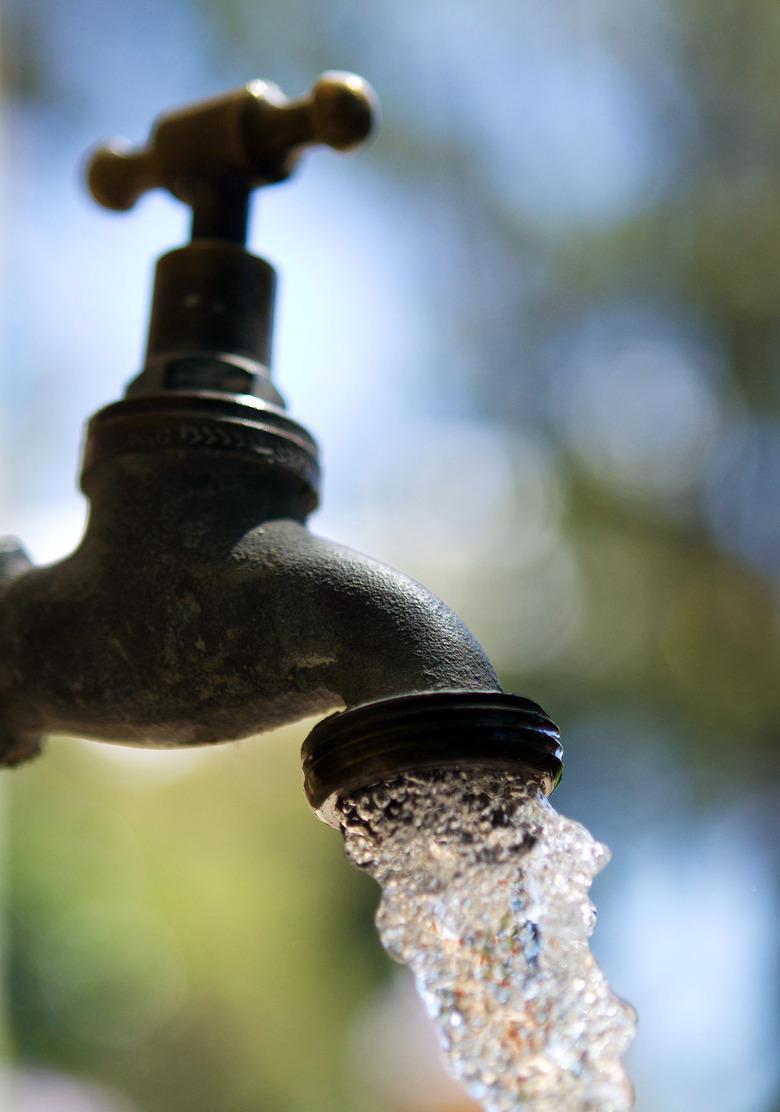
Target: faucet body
{"points": [[198, 608]]}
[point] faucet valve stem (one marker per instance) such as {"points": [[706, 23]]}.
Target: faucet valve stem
{"points": [[211, 324]]}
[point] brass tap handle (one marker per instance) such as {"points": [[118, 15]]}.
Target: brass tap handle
{"points": [[212, 154]]}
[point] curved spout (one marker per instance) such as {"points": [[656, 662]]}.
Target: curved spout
{"points": [[197, 610], [373, 631]]}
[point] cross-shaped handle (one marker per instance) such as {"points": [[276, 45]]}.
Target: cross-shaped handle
{"points": [[211, 155]]}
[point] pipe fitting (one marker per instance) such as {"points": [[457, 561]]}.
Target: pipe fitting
{"points": [[439, 730]]}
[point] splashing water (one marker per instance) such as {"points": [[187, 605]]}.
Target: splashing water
{"points": [[484, 895]]}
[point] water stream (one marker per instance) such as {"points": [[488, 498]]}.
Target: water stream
{"points": [[485, 896]]}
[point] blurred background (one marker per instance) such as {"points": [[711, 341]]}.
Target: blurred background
{"points": [[536, 331]]}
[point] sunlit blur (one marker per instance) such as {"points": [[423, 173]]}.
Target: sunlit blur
{"points": [[535, 330]]}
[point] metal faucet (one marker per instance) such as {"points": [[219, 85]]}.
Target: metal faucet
{"points": [[198, 608]]}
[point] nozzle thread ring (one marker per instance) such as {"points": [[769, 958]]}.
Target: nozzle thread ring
{"points": [[441, 729]]}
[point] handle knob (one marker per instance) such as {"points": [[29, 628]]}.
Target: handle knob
{"points": [[212, 154]]}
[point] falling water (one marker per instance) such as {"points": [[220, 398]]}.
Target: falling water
{"points": [[485, 896]]}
